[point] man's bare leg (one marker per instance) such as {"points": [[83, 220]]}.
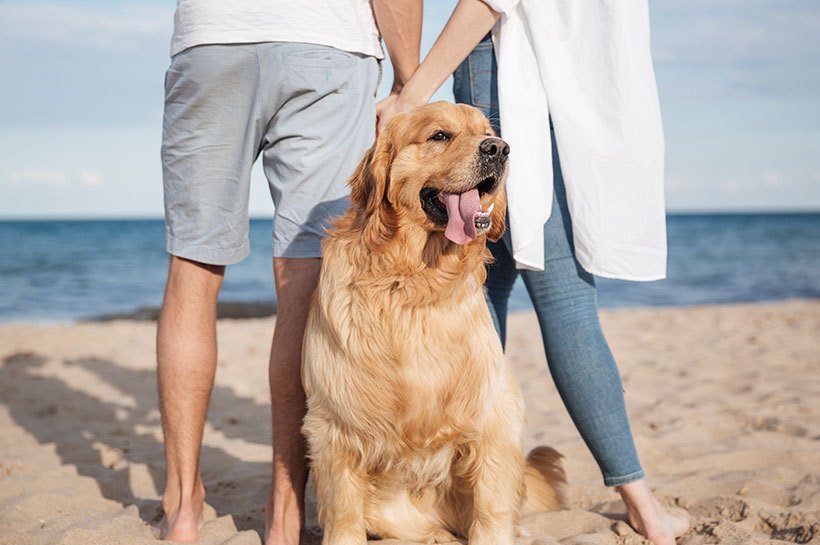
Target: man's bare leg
{"points": [[186, 364], [295, 282]]}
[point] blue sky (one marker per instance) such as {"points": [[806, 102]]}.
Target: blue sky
{"points": [[81, 105]]}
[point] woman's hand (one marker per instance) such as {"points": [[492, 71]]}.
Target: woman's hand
{"points": [[471, 20], [392, 106], [385, 110]]}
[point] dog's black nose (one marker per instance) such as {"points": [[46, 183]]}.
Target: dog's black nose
{"points": [[492, 147]]}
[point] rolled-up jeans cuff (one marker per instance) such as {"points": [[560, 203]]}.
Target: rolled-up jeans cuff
{"points": [[625, 479]]}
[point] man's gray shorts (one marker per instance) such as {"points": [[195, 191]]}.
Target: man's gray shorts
{"points": [[309, 110]]}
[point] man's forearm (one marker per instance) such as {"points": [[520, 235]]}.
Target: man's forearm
{"points": [[400, 26], [470, 22]]}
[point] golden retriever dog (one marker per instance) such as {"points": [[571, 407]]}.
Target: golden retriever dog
{"points": [[414, 419]]}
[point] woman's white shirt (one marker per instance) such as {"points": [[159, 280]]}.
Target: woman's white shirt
{"points": [[586, 65]]}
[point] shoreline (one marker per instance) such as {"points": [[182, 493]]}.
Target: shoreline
{"points": [[225, 310], [250, 310]]}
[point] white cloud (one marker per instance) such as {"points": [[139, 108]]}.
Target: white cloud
{"points": [[55, 177], [90, 178], [43, 176], [773, 180], [732, 187]]}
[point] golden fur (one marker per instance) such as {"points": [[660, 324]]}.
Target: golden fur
{"points": [[414, 419]]}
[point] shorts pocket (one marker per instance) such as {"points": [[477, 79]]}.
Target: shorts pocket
{"points": [[326, 58]]}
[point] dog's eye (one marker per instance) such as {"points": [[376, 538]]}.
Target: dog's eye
{"points": [[440, 136]]}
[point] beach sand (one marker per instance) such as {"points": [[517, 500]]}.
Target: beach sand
{"points": [[724, 404]]}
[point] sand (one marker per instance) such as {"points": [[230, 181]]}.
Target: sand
{"points": [[724, 403]]}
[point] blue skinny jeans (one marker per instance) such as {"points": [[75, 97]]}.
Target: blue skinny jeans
{"points": [[565, 301]]}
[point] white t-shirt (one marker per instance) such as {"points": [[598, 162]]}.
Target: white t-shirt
{"points": [[348, 25]]}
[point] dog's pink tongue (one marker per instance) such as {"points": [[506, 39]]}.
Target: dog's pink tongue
{"points": [[461, 211]]}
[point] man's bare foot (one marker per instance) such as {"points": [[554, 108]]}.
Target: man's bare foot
{"points": [[182, 520], [282, 528], [649, 517]]}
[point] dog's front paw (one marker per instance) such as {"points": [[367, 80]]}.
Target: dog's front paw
{"points": [[500, 534], [344, 538], [443, 536]]}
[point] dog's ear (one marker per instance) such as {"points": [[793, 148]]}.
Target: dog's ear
{"points": [[498, 216], [368, 194], [368, 185]]}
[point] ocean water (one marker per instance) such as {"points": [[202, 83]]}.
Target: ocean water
{"points": [[53, 271]]}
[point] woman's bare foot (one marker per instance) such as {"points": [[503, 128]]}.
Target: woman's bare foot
{"points": [[649, 517], [182, 519]]}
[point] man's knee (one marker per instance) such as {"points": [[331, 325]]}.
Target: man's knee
{"points": [[195, 278]]}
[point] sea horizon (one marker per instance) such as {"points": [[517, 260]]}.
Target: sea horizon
{"points": [[259, 217], [76, 269]]}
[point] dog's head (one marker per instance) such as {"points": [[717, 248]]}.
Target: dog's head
{"points": [[439, 167]]}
